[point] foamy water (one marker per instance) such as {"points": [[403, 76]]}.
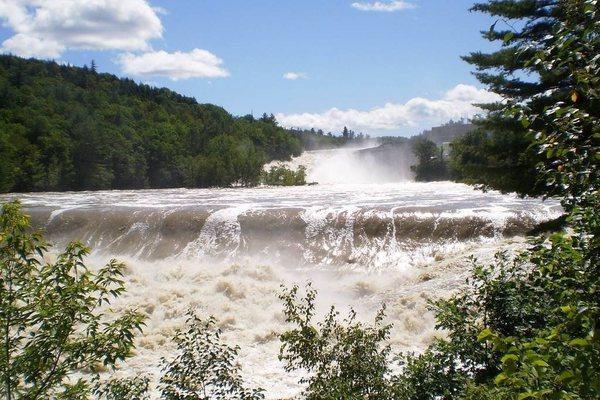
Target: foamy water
{"points": [[226, 252]]}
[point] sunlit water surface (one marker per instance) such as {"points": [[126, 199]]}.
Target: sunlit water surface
{"points": [[226, 252]]}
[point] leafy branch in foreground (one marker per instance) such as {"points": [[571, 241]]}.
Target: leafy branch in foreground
{"points": [[344, 359], [205, 367], [136, 388], [567, 133], [51, 322]]}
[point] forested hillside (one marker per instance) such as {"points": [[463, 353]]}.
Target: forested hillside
{"points": [[70, 128]]}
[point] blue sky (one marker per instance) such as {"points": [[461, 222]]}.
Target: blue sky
{"points": [[384, 67]]}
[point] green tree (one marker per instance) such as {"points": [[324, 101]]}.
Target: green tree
{"points": [[567, 132], [560, 359], [51, 321], [526, 326], [343, 359], [431, 165], [500, 155], [205, 368]]}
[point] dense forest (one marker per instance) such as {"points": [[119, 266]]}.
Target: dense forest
{"points": [[70, 128]]}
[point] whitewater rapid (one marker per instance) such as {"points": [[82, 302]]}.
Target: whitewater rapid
{"points": [[225, 252]]}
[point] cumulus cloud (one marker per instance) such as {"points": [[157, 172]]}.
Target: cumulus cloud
{"points": [[197, 63], [292, 76], [32, 46], [383, 6], [46, 28], [456, 103]]}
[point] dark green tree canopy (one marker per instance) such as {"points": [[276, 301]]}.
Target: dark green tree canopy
{"points": [[68, 128], [501, 156]]}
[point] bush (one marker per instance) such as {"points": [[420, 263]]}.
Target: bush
{"points": [[124, 389], [344, 359], [205, 367], [51, 319], [282, 176]]}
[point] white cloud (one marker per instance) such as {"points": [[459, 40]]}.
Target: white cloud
{"points": [[383, 6], [416, 112], [32, 46], [197, 63], [292, 76], [46, 28]]}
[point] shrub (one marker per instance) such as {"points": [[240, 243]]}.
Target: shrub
{"points": [[282, 176], [205, 367], [51, 322], [343, 359]]}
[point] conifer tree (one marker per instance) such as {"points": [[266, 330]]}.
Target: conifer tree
{"points": [[499, 154]]}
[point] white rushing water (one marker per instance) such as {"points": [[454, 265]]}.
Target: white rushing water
{"points": [[226, 252]]}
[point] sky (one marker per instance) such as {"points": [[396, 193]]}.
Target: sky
{"points": [[386, 67]]}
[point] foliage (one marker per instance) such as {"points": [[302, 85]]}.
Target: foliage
{"points": [[431, 165], [567, 134], [499, 161], [279, 175], [135, 388], [205, 367], [433, 373], [524, 326], [499, 154], [50, 317], [561, 359], [344, 359], [527, 326], [69, 128]]}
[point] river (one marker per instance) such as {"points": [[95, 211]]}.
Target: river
{"points": [[225, 252]]}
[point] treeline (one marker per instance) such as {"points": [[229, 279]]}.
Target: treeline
{"points": [[70, 128], [316, 139]]}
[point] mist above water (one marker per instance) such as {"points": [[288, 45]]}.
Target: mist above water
{"points": [[353, 165]]}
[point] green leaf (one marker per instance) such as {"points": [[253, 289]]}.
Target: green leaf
{"points": [[540, 363], [508, 36], [509, 357], [566, 309], [500, 378], [486, 333], [579, 342], [566, 375]]}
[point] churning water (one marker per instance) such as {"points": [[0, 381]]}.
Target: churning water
{"points": [[226, 252]]}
